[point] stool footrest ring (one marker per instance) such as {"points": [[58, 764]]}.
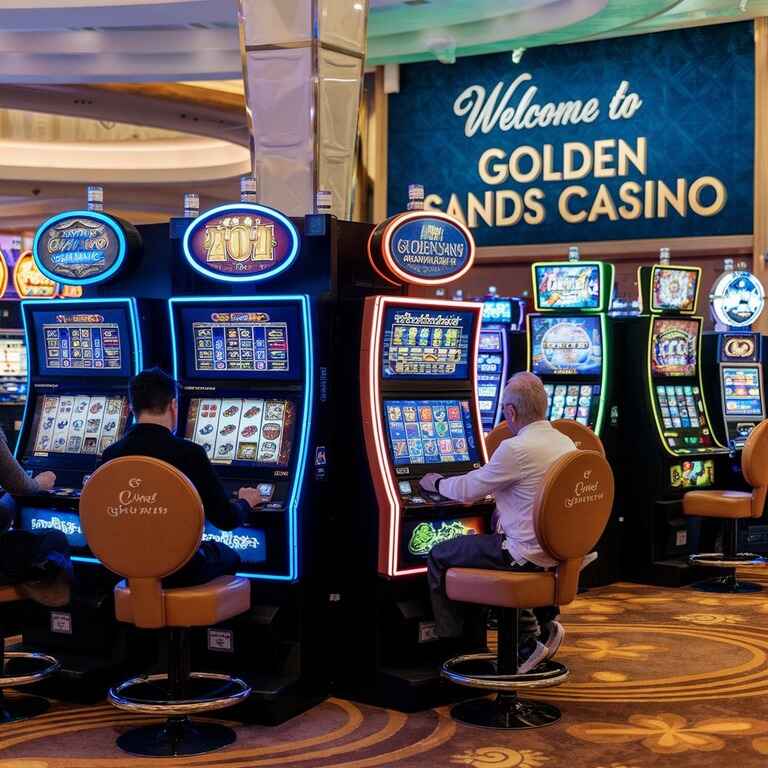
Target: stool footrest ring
{"points": [[49, 665], [717, 559], [478, 670], [168, 708]]}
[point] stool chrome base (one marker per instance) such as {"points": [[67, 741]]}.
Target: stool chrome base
{"points": [[176, 737], [22, 708], [506, 712], [726, 585]]}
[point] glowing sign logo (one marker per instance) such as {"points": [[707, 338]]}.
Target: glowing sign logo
{"points": [[740, 347], [425, 536], [738, 299], [243, 242], [30, 282]]}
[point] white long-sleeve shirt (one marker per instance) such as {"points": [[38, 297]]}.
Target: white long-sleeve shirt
{"points": [[514, 476]]}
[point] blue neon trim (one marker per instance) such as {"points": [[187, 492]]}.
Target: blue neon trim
{"points": [[81, 559], [109, 221], [309, 389], [266, 274]]}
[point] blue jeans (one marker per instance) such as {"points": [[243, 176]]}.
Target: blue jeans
{"points": [[211, 560], [476, 551]]}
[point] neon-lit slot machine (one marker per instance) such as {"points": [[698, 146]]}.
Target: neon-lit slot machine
{"points": [[13, 381], [501, 352], [569, 346], [81, 356], [666, 441], [419, 414]]}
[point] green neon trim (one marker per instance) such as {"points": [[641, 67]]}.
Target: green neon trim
{"points": [[603, 377], [606, 272]]}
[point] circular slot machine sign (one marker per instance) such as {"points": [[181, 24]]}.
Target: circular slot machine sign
{"points": [[738, 299], [84, 247], [30, 282], [241, 243], [421, 247]]}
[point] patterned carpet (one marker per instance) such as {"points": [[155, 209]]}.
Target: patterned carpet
{"points": [[660, 677]]}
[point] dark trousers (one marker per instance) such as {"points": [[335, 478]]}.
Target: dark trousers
{"points": [[33, 556], [211, 560], [476, 551]]}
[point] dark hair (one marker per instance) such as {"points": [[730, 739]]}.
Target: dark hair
{"points": [[152, 390]]}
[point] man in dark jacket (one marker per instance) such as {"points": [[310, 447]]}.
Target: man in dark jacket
{"points": [[153, 402]]}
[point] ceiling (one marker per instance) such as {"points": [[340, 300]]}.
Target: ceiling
{"points": [[145, 96]]}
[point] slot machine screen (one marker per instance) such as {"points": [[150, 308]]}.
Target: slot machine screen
{"points": [[426, 343], [497, 312], [235, 430], [692, 474], [674, 289], [76, 343], [430, 432], [76, 424], [567, 286], [490, 374], [742, 391], [674, 347], [577, 402], [566, 346], [222, 342], [13, 356]]}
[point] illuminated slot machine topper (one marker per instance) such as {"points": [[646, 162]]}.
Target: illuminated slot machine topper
{"points": [[673, 289], [572, 286], [566, 352], [491, 370], [680, 409], [497, 312]]}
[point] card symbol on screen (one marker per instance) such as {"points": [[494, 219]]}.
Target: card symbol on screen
{"points": [[96, 407], [442, 428], [226, 448], [454, 413], [425, 414], [400, 447], [251, 412], [231, 411], [207, 429], [394, 413], [430, 447], [409, 413], [271, 431], [460, 444], [62, 424], [228, 430], [78, 424], [48, 423], [249, 431]]}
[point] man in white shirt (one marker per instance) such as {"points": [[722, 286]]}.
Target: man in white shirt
{"points": [[514, 476]]}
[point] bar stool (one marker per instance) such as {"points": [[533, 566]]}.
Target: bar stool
{"points": [[734, 506], [571, 512], [21, 668], [144, 520]]}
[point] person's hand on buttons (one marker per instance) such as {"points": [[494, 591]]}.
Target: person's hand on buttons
{"points": [[428, 481], [251, 495], [46, 480]]}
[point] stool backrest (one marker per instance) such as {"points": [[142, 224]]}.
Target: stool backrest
{"points": [[754, 466], [143, 519], [571, 512], [495, 437], [584, 437]]}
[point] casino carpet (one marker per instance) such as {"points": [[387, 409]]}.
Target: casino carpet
{"points": [[660, 677]]}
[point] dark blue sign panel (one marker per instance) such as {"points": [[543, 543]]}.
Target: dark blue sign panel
{"points": [[249, 543], [82, 247], [607, 140]]}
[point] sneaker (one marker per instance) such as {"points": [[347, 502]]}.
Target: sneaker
{"points": [[535, 657], [51, 594], [554, 632]]}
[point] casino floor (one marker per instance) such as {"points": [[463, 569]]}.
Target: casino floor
{"points": [[659, 677]]}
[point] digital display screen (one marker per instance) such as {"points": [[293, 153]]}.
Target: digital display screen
{"points": [[490, 376], [251, 430], [422, 342], [497, 311], [430, 431], [37, 519], [684, 423], [692, 474], [13, 356], [674, 347], [566, 346], [74, 343], [741, 391], [739, 347], [249, 543], [224, 342], [577, 402], [674, 289], [421, 536], [568, 286], [86, 424]]}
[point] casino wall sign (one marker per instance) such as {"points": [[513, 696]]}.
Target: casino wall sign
{"points": [[84, 247], [243, 242], [738, 299], [421, 247]]}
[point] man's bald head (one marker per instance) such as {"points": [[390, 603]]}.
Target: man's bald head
{"points": [[526, 394]]}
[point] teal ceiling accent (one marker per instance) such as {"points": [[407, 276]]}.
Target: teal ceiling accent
{"points": [[422, 30]]}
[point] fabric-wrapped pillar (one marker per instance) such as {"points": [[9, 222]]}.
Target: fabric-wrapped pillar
{"points": [[303, 68]]}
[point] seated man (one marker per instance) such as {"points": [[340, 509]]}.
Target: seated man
{"points": [[513, 475], [36, 562], [153, 401]]}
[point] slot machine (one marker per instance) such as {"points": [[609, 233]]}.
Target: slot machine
{"points": [[667, 443], [419, 414], [501, 350], [13, 381], [569, 344]]}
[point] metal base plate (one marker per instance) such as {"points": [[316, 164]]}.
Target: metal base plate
{"points": [[506, 713], [727, 585], [174, 738], [22, 708]]}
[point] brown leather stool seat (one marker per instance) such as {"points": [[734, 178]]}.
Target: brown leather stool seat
{"points": [[144, 520], [571, 511], [20, 668], [734, 506]]}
